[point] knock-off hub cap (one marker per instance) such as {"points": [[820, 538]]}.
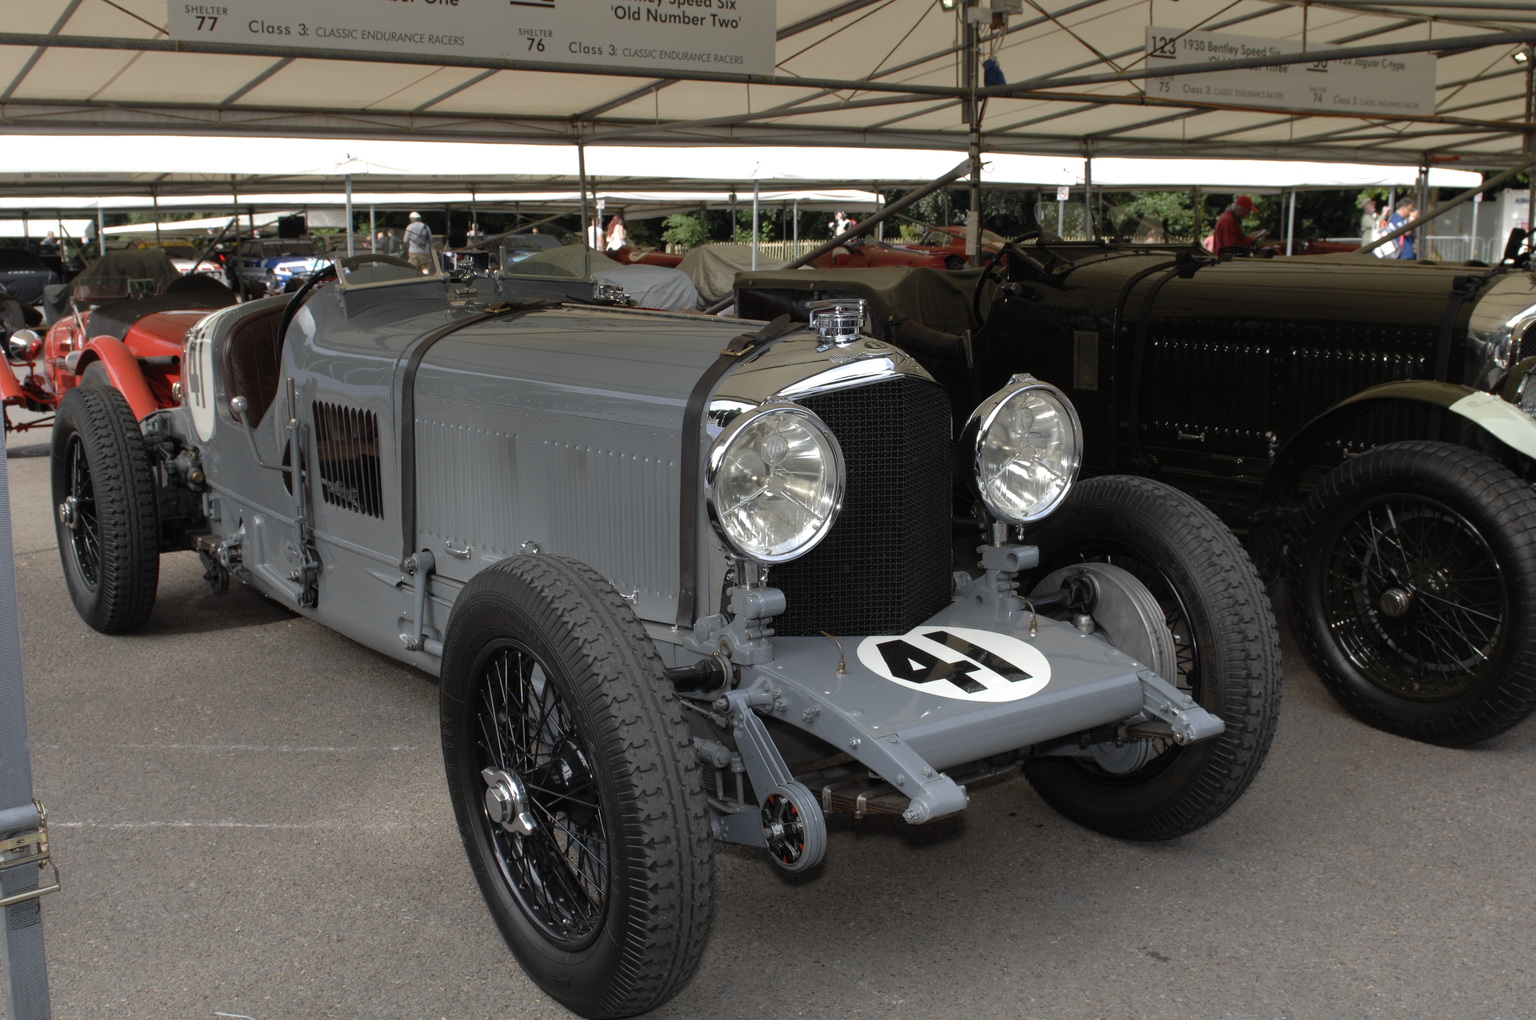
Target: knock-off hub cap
{"points": [[506, 801], [69, 513], [1395, 602]]}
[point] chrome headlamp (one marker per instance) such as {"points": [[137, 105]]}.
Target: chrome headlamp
{"points": [[774, 482], [1028, 446], [23, 346], [1525, 390]]}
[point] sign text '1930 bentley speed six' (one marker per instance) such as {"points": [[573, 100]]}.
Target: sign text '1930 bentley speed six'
{"points": [[1367, 422], [682, 579]]}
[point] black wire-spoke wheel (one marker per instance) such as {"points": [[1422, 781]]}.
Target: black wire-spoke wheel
{"points": [[1416, 598], [77, 512], [1413, 587], [106, 514], [544, 818], [576, 786], [1226, 657]]}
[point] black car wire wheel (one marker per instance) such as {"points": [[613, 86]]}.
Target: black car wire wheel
{"points": [[105, 509], [1412, 578], [575, 785], [1413, 594], [77, 512], [559, 870]]}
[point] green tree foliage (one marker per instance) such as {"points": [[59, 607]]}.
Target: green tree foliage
{"points": [[683, 229]]}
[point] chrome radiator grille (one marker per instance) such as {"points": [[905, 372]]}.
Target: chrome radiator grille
{"points": [[886, 565]]}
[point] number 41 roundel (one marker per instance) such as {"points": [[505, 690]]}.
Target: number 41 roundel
{"points": [[959, 662]]}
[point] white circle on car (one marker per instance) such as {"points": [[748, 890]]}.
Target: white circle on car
{"points": [[958, 662], [197, 381]]}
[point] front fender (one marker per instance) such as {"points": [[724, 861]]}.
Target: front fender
{"points": [[1502, 420], [122, 371]]}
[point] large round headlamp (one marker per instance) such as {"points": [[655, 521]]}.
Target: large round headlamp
{"points": [[1028, 446], [774, 482]]}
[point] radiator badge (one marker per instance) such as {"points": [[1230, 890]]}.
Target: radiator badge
{"points": [[959, 662]]}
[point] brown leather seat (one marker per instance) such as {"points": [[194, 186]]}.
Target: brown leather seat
{"points": [[252, 363]]}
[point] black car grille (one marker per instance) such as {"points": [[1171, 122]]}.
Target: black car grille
{"points": [[886, 566]]}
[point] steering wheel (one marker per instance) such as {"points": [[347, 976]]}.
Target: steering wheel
{"points": [[992, 269], [326, 275], [301, 295]]}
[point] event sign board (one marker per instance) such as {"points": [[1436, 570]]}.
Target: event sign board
{"points": [[688, 35], [1396, 85]]}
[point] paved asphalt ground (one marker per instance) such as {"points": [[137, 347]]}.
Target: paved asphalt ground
{"points": [[250, 817]]}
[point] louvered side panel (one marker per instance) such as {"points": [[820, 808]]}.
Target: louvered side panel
{"points": [[1207, 393], [1320, 378], [491, 492], [347, 449], [619, 505]]}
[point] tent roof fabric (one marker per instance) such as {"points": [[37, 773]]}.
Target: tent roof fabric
{"points": [[866, 73]]}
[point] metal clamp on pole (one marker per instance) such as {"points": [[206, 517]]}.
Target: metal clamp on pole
{"points": [[29, 848]]}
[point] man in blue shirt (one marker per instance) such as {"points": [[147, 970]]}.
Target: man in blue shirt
{"points": [[1406, 208]]}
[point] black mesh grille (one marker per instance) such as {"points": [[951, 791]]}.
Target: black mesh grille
{"points": [[885, 567]]}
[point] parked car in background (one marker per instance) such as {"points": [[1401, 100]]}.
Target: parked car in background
{"points": [[23, 276], [1367, 424], [858, 254], [270, 265], [683, 580], [519, 246], [646, 256], [188, 258], [949, 244], [118, 329]]}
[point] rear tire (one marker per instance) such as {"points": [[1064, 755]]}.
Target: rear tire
{"points": [[106, 513], [1414, 591], [576, 786], [1227, 651]]}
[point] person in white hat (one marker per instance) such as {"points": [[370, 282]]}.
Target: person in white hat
{"points": [[418, 243]]}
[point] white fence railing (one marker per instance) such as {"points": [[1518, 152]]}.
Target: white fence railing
{"points": [[1445, 247]]}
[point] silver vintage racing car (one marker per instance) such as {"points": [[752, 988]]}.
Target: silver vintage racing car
{"points": [[683, 580]]}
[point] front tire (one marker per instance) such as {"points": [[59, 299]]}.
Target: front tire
{"points": [[106, 514], [1227, 650], [1413, 589], [576, 786]]}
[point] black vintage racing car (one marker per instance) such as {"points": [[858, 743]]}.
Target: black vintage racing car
{"points": [[1366, 423]]}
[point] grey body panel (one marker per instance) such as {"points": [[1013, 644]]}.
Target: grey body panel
{"points": [[1091, 683], [561, 431]]}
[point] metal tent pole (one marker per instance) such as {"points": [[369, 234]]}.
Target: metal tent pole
{"points": [[23, 833], [1088, 196], [1530, 140], [581, 172], [972, 58], [1290, 227], [351, 248], [756, 197]]}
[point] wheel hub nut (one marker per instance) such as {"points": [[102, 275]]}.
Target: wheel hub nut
{"points": [[1395, 602], [506, 801], [69, 514]]}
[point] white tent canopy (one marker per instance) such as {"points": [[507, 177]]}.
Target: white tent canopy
{"points": [[110, 170], [893, 74]]}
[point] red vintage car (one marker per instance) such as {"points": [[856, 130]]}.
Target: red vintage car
{"points": [[856, 255], [121, 325], [948, 243], [644, 256]]}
